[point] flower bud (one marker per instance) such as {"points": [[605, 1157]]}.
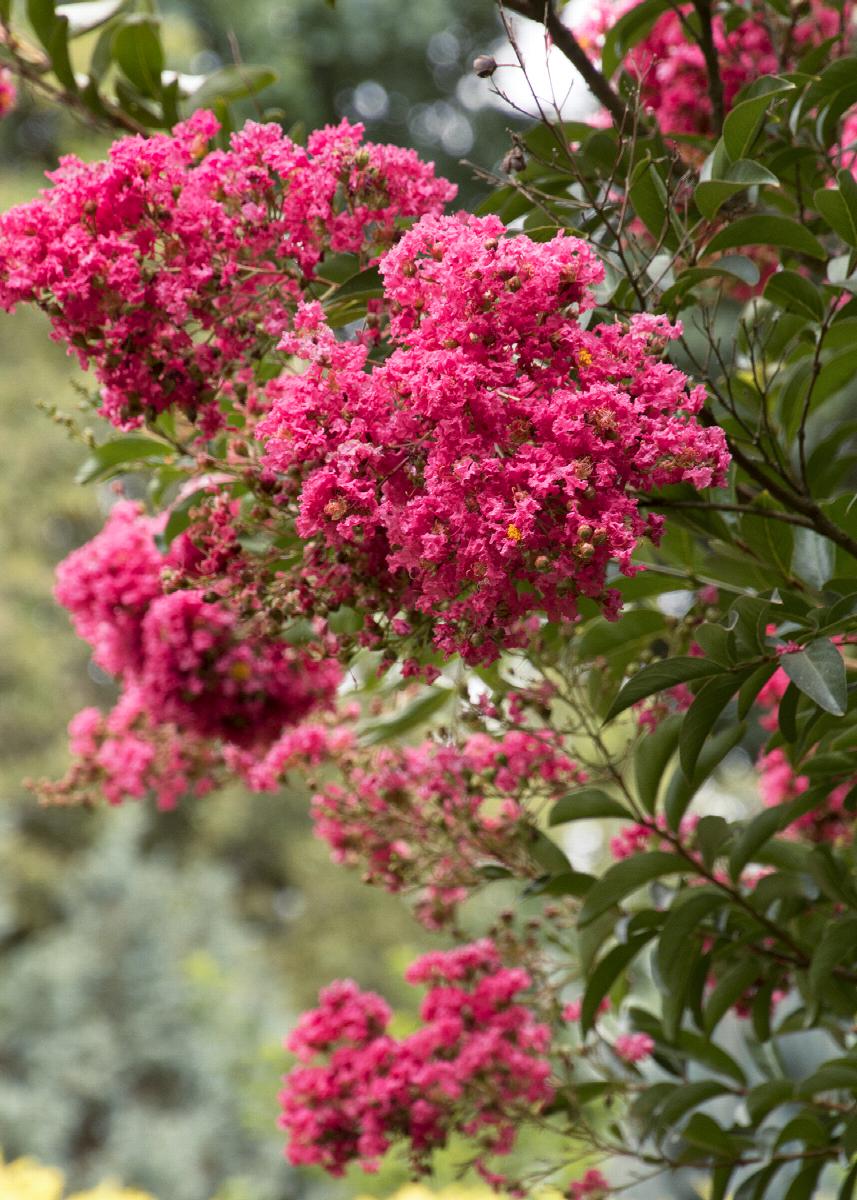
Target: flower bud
{"points": [[514, 160], [484, 65]]}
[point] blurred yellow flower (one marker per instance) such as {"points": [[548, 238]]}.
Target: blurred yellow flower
{"points": [[26, 1179]]}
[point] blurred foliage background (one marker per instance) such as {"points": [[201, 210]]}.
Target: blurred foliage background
{"points": [[151, 963]]}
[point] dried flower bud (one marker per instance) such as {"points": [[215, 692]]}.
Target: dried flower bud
{"points": [[484, 65], [513, 160]]}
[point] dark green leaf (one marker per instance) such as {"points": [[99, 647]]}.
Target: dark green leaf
{"points": [[767, 230], [765, 1097], [793, 293], [651, 756], [838, 213], [659, 676], [605, 974], [417, 712], [137, 50], [625, 877], [106, 458], [709, 703], [585, 804], [729, 988], [813, 558], [681, 790], [744, 121], [764, 826], [819, 672], [233, 83]]}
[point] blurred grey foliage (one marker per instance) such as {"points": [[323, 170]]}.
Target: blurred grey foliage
{"points": [[138, 1037]]}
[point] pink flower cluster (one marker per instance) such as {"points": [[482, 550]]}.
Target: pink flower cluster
{"points": [[190, 661], [476, 1065], [670, 65], [8, 92], [124, 755], [430, 817], [166, 266], [487, 470], [633, 1047], [593, 1186]]}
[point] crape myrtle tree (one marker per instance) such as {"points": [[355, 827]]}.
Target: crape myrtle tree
{"points": [[492, 523]]}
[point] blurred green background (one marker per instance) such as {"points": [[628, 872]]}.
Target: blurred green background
{"points": [[151, 963]]}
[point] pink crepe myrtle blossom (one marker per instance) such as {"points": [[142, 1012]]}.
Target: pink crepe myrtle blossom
{"points": [[593, 1186], [487, 469], [633, 1047], [428, 818], [185, 655], [166, 265], [8, 92], [670, 65], [475, 1066]]}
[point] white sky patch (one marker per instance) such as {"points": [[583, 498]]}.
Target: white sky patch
{"points": [[551, 76]]}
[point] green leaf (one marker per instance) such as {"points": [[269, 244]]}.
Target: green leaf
{"points": [[137, 50], [793, 293], [744, 121], [704, 1132], [787, 714], [765, 1097], [728, 989], [838, 947], [709, 703], [764, 826], [767, 230], [711, 837], [834, 1076], [681, 790], [679, 952], [839, 214], [417, 712], [730, 266], [104, 459], [685, 1098], [802, 1187], [648, 195], [628, 30], [813, 559], [659, 676], [233, 83], [585, 804], [711, 194], [703, 1050], [605, 974], [819, 672], [625, 877], [849, 1185], [52, 32], [651, 756], [750, 690]]}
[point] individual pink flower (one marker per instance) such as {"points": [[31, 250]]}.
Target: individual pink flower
{"points": [[572, 1011], [8, 92], [633, 1047], [593, 1186]]}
